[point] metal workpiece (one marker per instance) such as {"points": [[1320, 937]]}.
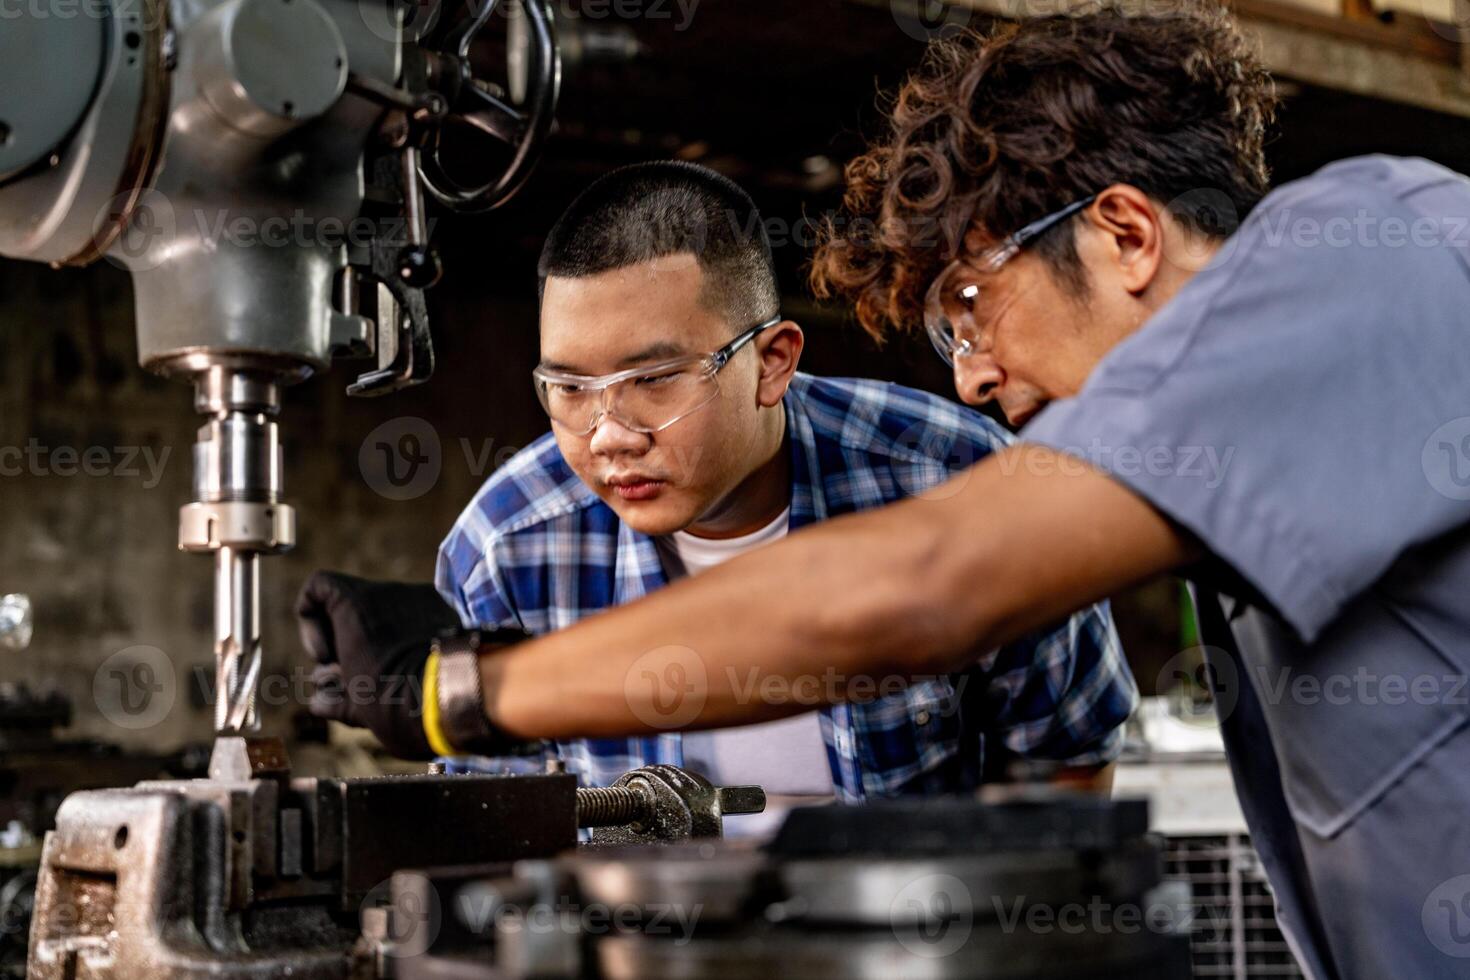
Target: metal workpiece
{"points": [[662, 803]]}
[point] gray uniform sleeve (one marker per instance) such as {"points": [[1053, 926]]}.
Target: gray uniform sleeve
{"points": [[1303, 404]]}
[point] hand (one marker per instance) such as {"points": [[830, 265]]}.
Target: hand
{"points": [[370, 641]]}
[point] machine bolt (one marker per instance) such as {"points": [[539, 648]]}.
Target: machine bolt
{"points": [[612, 806]]}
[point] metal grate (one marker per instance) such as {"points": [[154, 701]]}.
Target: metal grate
{"points": [[1234, 932]]}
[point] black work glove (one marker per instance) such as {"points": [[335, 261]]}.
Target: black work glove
{"points": [[370, 641]]}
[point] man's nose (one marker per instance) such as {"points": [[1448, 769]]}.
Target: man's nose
{"points": [[612, 438], [977, 378]]}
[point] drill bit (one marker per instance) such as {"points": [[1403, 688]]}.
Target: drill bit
{"points": [[237, 640]]}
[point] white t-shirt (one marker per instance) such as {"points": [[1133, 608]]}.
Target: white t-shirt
{"points": [[787, 757]]}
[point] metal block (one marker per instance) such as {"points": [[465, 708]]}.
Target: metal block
{"points": [[423, 821]]}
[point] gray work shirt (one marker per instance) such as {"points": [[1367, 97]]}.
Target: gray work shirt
{"points": [[1303, 407]]}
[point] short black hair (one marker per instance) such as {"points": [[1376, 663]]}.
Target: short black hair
{"points": [[652, 210]]}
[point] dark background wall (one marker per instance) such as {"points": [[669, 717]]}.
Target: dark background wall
{"points": [[776, 95]]}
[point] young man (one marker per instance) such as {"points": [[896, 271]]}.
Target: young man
{"points": [[683, 436]]}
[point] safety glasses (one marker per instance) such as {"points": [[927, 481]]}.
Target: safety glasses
{"points": [[952, 308], [644, 399]]}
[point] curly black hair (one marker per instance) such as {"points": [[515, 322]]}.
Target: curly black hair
{"points": [[997, 129]]}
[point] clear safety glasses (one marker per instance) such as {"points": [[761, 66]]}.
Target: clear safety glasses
{"points": [[644, 399], [953, 307]]}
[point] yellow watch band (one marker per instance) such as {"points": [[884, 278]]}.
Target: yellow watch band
{"points": [[432, 727]]}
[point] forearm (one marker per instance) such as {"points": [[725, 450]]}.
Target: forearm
{"points": [[839, 610], [810, 616]]}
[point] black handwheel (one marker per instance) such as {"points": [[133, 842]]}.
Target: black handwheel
{"points": [[522, 128]]}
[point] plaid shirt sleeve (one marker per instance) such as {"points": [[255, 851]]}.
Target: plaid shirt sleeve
{"points": [[471, 573], [464, 559], [1058, 694], [1062, 694]]}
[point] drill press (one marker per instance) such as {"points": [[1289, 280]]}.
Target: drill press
{"points": [[261, 168]]}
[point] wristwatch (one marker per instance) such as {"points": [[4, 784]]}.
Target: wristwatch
{"points": [[454, 701]]}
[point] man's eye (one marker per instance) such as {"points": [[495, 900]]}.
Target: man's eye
{"points": [[653, 380], [967, 295], [567, 390]]}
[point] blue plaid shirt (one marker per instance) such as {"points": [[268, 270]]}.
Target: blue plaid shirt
{"points": [[537, 549]]}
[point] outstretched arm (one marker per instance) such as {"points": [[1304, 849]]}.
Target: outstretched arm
{"points": [[911, 590]]}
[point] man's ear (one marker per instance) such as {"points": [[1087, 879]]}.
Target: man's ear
{"points": [[1131, 239], [779, 349]]}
